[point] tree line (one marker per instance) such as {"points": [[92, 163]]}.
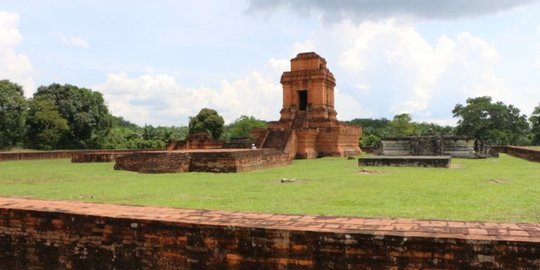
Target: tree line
{"points": [[69, 117], [493, 122]]}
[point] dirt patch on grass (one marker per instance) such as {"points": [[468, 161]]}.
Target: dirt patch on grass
{"points": [[455, 166], [289, 181], [368, 171], [498, 181]]}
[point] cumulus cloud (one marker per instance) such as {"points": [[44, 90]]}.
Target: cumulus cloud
{"points": [[377, 9], [14, 66], [537, 63], [160, 99], [73, 41], [389, 68], [306, 46]]}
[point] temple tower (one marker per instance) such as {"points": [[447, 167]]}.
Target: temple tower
{"points": [[308, 89], [308, 127]]}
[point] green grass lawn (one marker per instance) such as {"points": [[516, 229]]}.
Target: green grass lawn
{"points": [[503, 189]]}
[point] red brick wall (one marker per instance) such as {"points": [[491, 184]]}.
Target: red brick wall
{"points": [[520, 152], [237, 161], [154, 162], [59, 235], [5, 156], [306, 143], [207, 160], [60, 154]]}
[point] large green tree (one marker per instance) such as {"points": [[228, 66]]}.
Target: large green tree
{"points": [[85, 111], [535, 122], [12, 114], [127, 135], [45, 125], [433, 129], [208, 121], [242, 127], [493, 122], [373, 130], [402, 125]]}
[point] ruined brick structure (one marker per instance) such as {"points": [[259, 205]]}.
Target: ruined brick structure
{"points": [[454, 146], [308, 127], [201, 160], [406, 161], [195, 141]]}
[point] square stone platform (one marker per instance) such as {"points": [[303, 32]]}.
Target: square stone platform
{"points": [[406, 161], [202, 160]]}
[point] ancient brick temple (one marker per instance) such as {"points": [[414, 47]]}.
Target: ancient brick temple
{"points": [[308, 127]]}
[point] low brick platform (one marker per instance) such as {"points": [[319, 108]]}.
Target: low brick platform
{"points": [[58, 234], [202, 160], [406, 161]]}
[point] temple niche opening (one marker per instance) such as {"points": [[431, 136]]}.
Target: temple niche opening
{"points": [[308, 127]]}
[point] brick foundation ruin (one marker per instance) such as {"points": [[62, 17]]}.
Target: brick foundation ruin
{"points": [[195, 141], [426, 151], [453, 146], [209, 160], [406, 161]]}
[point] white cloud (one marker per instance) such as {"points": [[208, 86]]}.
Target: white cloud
{"points": [[278, 66], [348, 107], [537, 63], [400, 46], [160, 99], [14, 66], [306, 46], [73, 41], [391, 68]]}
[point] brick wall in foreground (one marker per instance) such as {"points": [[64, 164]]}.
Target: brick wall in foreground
{"points": [[51, 234]]}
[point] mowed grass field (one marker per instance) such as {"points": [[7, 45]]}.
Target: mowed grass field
{"points": [[503, 189]]}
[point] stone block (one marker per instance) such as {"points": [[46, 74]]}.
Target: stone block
{"points": [[406, 161]]}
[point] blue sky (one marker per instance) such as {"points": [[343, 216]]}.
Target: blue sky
{"points": [[159, 62]]}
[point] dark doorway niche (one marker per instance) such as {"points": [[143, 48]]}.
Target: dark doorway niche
{"points": [[302, 100]]}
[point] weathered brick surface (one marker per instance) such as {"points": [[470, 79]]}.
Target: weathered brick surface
{"points": [[237, 160], [195, 141], [99, 156], [207, 160], [62, 154], [154, 162], [404, 161], [454, 146], [520, 152], [38, 234]]}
